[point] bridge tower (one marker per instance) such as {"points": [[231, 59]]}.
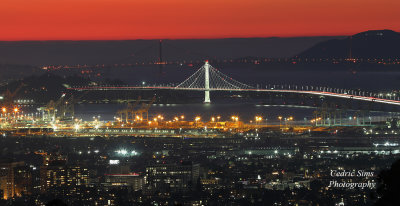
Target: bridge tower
{"points": [[207, 79], [207, 83]]}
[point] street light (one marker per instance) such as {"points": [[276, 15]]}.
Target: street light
{"points": [[280, 121], [287, 120], [15, 113], [197, 119], [258, 119], [235, 118], [77, 127]]}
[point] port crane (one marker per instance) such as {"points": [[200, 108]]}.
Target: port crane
{"points": [[144, 109], [129, 111], [8, 98]]}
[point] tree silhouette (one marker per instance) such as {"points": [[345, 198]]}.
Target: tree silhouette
{"points": [[56, 202], [388, 189]]}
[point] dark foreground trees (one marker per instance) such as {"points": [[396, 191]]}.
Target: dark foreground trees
{"points": [[388, 189]]}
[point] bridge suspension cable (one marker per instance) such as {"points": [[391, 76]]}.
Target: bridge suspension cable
{"points": [[208, 78], [217, 80]]}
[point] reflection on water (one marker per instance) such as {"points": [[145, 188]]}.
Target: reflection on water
{"points": [[206, 111], [246, 111]]}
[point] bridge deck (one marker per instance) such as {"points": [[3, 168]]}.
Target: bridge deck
{"points": [[321, 93]]}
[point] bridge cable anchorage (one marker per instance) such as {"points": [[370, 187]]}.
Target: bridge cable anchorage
{"points": [[208, 78]]}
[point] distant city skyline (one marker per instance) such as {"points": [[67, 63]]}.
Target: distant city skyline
{"points": [[181, 19]]}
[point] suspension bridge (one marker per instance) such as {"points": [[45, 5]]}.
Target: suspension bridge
{"points": [[209, 79]]}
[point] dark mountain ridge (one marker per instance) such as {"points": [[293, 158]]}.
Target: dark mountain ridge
{"points": [[383, 44], [41, 53]]}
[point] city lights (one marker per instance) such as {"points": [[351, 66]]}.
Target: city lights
{"points": [[258, 118], [235, 118], [125, 152], [300, 103], [122, 152], [114, 162], [77, 127]]}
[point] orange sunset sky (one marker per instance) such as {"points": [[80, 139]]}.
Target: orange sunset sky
{"points": [[154, 19]]}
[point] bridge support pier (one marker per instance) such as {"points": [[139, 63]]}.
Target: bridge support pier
{"points": [[207, 97], [207, 83]]}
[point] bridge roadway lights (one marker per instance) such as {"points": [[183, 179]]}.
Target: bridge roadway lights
{"points": [[228, 84]]}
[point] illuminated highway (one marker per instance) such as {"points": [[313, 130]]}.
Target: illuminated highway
{"points": [[319, 93]]}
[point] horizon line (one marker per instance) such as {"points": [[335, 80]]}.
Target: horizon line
{"points": [[178, 38], [195, 38]]}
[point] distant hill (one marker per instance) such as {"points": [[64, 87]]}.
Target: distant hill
{"points": [[41, 53], [10, 72], [370, 44]]}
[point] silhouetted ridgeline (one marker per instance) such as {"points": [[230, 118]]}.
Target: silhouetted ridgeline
{"points": [[109, 52], [15, 71], [372, 44]]}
